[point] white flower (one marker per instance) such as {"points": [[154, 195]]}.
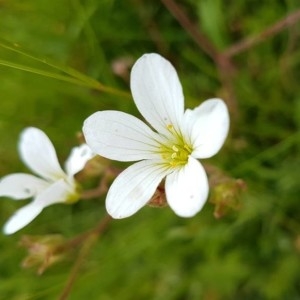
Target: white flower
{"points": [[53, 184], [171, 151]]}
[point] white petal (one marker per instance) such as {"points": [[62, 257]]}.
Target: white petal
{"points": [[56, 193], [207, 127], [38, 153], [187, 189], [157, 92], [21, 186], [133, 188], [119, 136], [60, 191], [21, 218], [78, 158]]}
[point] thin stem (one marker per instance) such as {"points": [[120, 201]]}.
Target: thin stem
{"points": [[222, 62], [41, 72], [77, 240], [74, 76], [65, 69], [68, 70], [102, 188], [226, 75], [87, 240], [249, 42], [201, 40], [75, 270]]}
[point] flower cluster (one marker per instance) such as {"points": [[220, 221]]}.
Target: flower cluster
{"points": [[166, 150]]}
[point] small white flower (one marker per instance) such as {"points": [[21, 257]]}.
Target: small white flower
{"points": [[171, 151], [53, 184]]}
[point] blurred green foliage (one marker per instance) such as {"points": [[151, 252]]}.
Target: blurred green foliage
{"points": [[252, 253]]}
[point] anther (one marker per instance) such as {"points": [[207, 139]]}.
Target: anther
{"points": [[175, 148]]}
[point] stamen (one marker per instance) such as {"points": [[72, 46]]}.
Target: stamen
{"points": [[175, 148], [187, 147], [177, 153]]}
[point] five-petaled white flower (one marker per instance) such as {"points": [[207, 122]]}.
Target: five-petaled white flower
{"points": [[53, 184], [171, 151]]}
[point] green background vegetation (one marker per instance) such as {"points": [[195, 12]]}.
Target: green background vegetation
{"points": [[250, 253]]}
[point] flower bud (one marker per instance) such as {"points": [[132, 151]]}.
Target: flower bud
{"points": [[43, 251], [226, 196], [159, 198]]}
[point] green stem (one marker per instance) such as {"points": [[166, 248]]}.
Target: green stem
{"points": [[74, 76]]}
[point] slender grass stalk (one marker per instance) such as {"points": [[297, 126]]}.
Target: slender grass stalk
{"points": [[41, 72], [73, 76]]}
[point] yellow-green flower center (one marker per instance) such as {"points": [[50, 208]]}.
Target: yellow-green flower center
{"points": [[74, 192], [176, 152]]}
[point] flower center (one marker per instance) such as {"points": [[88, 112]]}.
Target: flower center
{"points": [[176, 152]]}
